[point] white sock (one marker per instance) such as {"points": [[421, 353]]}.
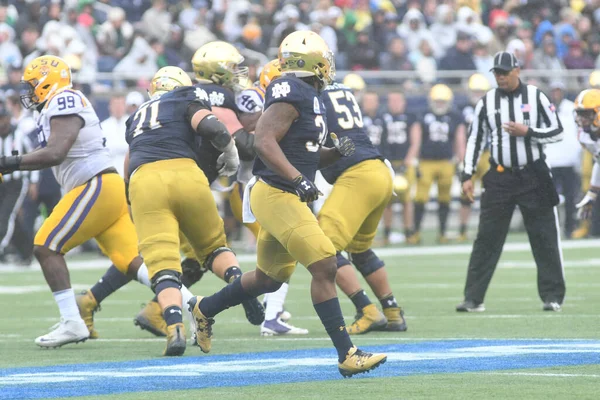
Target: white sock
{"points": [[186, 295], [275, 302], [142, 275], [65, 299]]}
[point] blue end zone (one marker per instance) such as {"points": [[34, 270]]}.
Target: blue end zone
{"points": [[289, 366]]}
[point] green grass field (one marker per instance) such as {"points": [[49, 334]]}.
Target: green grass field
{"points": [[428, 286]]}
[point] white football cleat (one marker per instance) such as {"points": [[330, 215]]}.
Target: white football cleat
{"points": [[64, 332], [276, 327]]}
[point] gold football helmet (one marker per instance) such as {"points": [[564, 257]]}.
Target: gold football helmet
{"points": [[478, 86], [440, 99], [167, 79], [354, 82], [587, 110], [42, 78], [305, 54], [219, 63], [270, 71]]}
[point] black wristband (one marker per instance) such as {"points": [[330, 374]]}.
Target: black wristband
{"points": [[10, 163], [465, 177]]}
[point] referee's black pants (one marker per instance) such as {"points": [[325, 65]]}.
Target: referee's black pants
{"points": [[12, 195], [568, 183], [503, 192]]}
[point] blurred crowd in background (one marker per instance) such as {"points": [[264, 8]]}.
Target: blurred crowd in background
{"points": [[115, 47]]}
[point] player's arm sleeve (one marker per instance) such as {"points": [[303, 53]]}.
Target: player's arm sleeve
{"points": [[478, 132], [207, 125], [551, 130]]}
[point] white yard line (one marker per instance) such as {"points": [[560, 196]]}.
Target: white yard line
{"points": [[101, 263], [550, 375]]}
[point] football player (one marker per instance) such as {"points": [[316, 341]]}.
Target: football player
{"points": [[169, 193], [587, 116], [362, 188], [250, 103], [372, 118], [478, 86], [444, 135], [402, 145], [94, 206], [288, 142], [218, 71]]}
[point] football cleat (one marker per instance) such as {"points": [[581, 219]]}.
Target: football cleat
{"points": [[151, 319], [358, 362], [414, 239], [462, 238], [371, 319], [255, 312], [470, 306], [443, 239], [176, 341], [278, 326], [87, 304], [202, 323], [65, 332], [552, 306], [395, 320], [582, 232]]}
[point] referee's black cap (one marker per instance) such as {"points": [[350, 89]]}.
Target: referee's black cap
{"points": [[505, 61]]}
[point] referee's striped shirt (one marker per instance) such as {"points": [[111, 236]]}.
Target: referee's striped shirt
{"points": [[18, 140], [527, 105]]}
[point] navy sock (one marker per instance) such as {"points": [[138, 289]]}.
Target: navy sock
{"points": [[330, 314], [231, 274], [360, 299], [173, 315], [231, 295], [388, 301], [112, 281]]}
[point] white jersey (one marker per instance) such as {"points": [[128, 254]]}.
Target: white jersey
{"points": [[249, 101], [590, 144], [88, 155]]}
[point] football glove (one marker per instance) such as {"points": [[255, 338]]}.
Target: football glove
{"points": [[305, 189], [228, 162], [345, 145], [585, 206]]}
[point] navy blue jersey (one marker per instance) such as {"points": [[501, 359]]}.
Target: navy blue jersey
{"points": [[439, 132], [160, 128], [307, 133], [207, 156], [219, 96], [344, 118], [375, 128], [397, 135]]}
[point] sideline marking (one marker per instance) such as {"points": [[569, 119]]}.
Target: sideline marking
{"points": [[309, 365]]}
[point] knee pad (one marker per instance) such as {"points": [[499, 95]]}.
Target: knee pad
{"points": [[341, 260], [192, 271], [208, 263], [367, 262], [165, 279]]}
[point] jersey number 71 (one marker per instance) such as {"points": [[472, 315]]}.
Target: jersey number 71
{"points": [[144, 123]]}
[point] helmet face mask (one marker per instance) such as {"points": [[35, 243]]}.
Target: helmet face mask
{"points": [[585, 118], [28, 96]]}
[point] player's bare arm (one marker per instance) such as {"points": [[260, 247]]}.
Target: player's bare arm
{"points": [[270, 129], [460, 143], [249, 120], [64, 133], [416, 134]]}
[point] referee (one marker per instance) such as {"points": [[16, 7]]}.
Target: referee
{"points": [[519, 120], [15, 186]]}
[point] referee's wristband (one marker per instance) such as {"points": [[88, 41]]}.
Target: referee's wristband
{"points": [[465, 177]]}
